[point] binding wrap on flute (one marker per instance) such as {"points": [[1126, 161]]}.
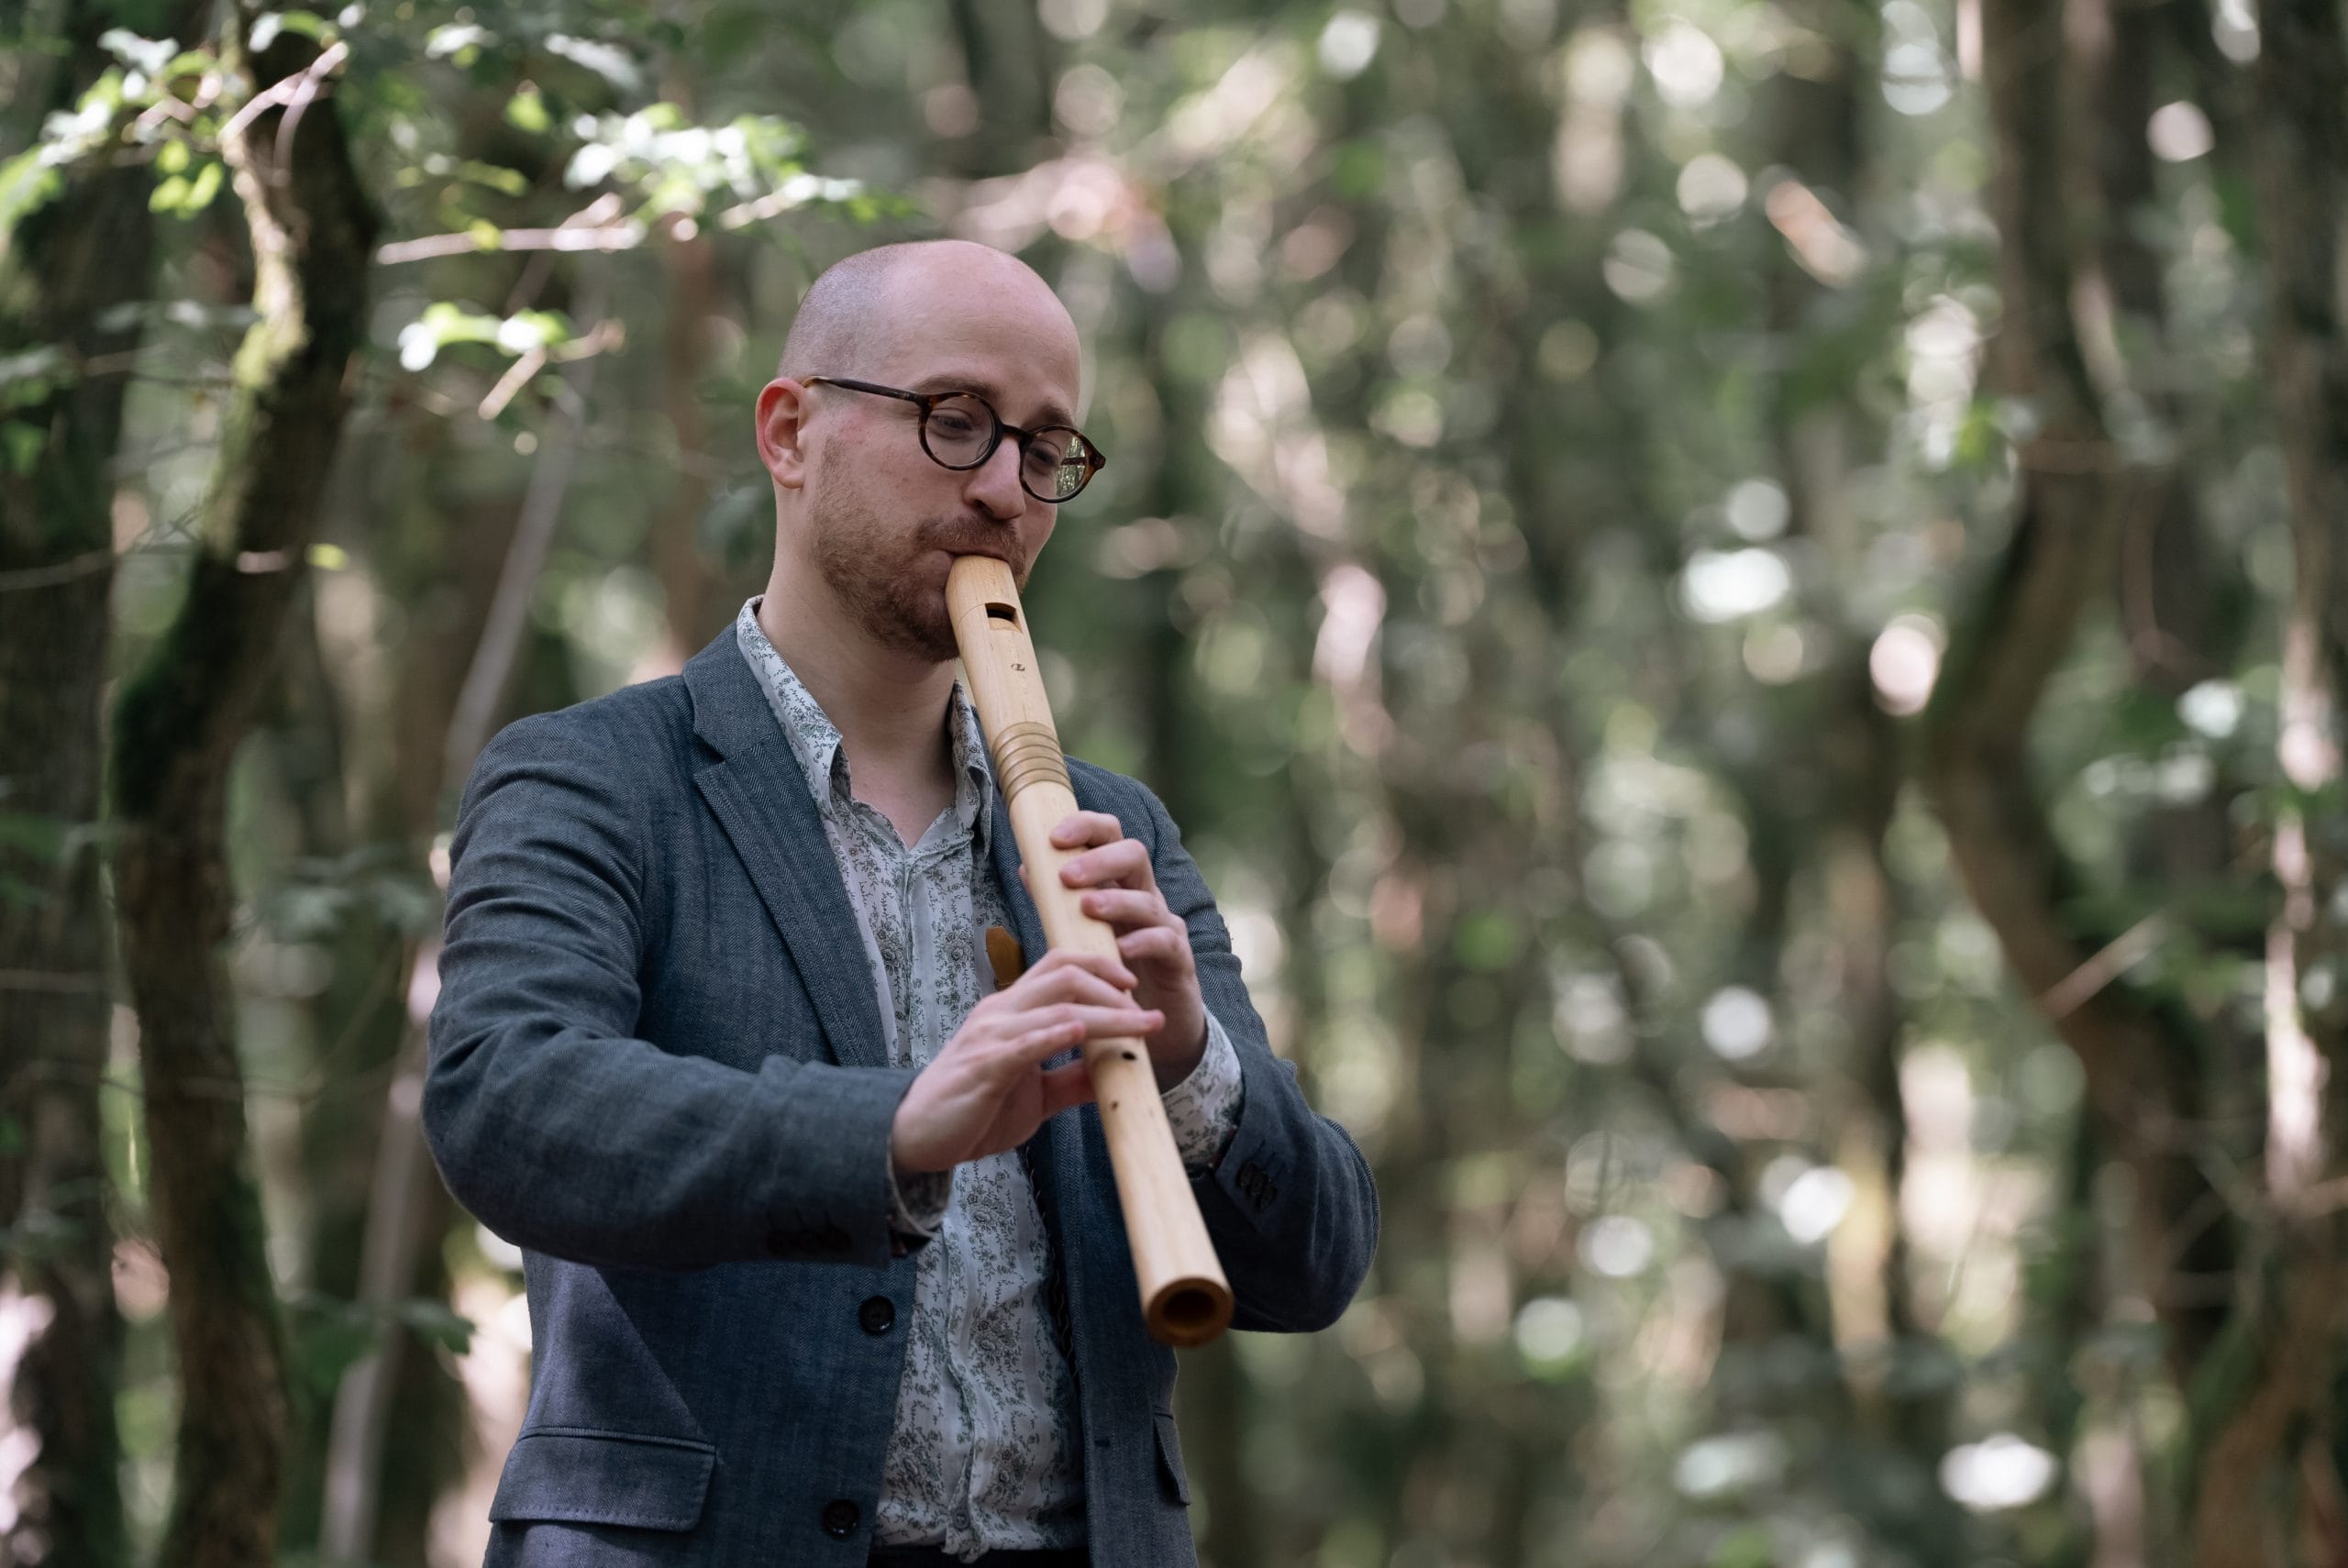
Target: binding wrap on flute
{"points": [[1185, 1300]]}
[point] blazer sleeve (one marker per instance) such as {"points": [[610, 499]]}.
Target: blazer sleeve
{"points": [[1290, 1206], [548, 1120]]}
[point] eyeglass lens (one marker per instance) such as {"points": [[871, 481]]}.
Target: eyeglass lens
{"points": [[961, 431]]}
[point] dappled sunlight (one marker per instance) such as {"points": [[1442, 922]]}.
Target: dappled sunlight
{"points": [[1731, 596]]}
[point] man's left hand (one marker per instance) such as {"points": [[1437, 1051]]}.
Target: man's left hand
{"points": [[1118, 886]]}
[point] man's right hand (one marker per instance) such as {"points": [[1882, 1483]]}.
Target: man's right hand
{"points": [[986, 1091]]}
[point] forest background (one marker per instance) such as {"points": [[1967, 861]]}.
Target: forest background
{"points": [[1744, 601]]}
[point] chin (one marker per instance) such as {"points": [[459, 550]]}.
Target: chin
{"points": [[926, 629]]}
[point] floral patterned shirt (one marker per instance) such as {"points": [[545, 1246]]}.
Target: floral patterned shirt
{"points": [[983, 1455]]}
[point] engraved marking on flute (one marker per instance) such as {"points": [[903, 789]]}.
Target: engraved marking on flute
{"points": [[1028, 753]]}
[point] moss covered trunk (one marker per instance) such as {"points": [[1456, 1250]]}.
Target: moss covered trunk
{"points": [[176, 730]]}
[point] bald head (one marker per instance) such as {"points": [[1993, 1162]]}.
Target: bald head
{"points": [[868, 517], [861, 310]]}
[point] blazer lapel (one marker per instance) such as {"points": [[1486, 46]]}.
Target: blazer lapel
{"points": [[760, 798]]}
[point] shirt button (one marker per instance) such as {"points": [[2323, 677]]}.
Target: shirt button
{"points": [[840, 1517], [879, 1315]]}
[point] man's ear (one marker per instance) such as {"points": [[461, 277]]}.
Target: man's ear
{"points": [[782, 406]]}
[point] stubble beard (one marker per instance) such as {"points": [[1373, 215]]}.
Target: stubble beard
{"points": [[879, 569]]}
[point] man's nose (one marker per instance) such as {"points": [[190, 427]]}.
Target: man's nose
{"points": [[993, 485]]}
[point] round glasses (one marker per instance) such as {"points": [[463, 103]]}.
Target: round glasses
{"points": [[960, 430]]}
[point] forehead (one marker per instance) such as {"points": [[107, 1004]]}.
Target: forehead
{"points": [[990, 328]]}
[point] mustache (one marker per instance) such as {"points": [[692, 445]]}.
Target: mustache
{"points": [[968, 536]]}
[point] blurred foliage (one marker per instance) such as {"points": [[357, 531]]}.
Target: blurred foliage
{"points": [[1550, 450]]}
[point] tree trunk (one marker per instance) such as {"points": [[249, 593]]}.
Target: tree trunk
{"points": [[406, 1197], [2271, 1430], [176, 731], [2142, 1060], [67, 266]]}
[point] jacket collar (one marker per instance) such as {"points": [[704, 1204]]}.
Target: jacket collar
{"points": [[815, 740]]}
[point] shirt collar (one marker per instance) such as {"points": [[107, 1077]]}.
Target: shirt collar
{"points": [[815, 740]]}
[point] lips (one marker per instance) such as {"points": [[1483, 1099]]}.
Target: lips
{"points": [[959, 544]]}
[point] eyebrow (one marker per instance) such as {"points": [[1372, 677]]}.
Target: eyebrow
{"points": [[1052, 414]]}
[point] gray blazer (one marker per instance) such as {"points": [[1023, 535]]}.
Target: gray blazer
{"points": [[658, 1065]]}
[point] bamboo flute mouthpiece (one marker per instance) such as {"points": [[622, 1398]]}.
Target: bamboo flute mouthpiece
{"points": [[1185, 1300]]}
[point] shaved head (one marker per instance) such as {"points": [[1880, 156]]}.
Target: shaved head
{"points": [[855, 311], [868, 521]]}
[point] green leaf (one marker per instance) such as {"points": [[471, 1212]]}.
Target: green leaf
{"points": [[27, 183], [31, 378], [527, 111], [152, 56], [205, 186], [1488, 940], [187, 195], [505, 182], [461, 41], [306, 24], [1749, 1547], [442, 323], [25, 444], [1360, 173], [43, 838], [529, 329], [606, 60], [436, 1323], [330, 1336]]}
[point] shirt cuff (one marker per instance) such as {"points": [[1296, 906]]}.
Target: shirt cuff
{"points": [[917, 1203], [1203, 1109]]}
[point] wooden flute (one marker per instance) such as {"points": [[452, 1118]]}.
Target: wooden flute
{"points": [[1185, 1300]]}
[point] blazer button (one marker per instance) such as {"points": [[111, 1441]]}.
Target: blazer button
{"points": [[840, 1517], [879, 1315]]}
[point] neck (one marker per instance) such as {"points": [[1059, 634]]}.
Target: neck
{"points": [[888, 705]]}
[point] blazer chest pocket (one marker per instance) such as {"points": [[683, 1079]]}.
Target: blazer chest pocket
{"points": [[579, 1476]]}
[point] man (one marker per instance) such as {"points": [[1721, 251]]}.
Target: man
{"points": [[822, 1244]]}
